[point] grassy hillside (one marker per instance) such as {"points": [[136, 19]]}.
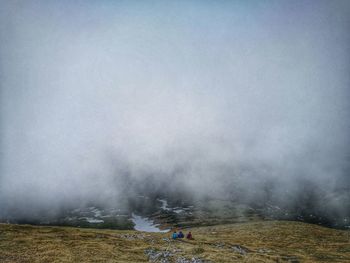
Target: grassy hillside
{"points": [[268, 241]]}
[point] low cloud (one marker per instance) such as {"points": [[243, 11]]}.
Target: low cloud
{"points": [[101, 102]]}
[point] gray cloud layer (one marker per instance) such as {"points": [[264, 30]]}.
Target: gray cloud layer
{"points": [[212, 97]]}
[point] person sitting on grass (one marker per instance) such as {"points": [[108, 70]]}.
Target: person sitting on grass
{"points": [[189, 235], [174, 236], [181, 235]]}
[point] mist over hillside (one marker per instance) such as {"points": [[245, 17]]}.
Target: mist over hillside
{"points": [[103, 101]]}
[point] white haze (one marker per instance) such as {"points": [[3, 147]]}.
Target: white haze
{"points": [[208, 96]]}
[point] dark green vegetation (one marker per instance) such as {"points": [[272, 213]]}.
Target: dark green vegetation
{"points": [[122, 223], [178, 212], [206, 213]]}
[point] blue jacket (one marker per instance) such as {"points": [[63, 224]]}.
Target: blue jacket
{"points": [[174, 235]]}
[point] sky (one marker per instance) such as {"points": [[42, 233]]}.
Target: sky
{"points": [[206, 96]]}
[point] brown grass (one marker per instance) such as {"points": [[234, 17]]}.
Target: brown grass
{"points": [[266, 241]]}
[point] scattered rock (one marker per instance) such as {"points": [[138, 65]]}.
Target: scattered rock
{"points": [[132, 236], [158, 256], [219, 245], [264, 250], [240, 249], [192, 260], [290, 259], [155, 255]]}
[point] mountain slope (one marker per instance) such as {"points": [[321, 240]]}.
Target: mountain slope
{"points": [[265, 241]]}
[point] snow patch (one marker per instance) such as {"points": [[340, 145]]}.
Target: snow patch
{"points": [[145, 224], [94, 220], [164, 204]]}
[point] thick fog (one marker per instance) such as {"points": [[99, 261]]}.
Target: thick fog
{"points": [[231, 99]]}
